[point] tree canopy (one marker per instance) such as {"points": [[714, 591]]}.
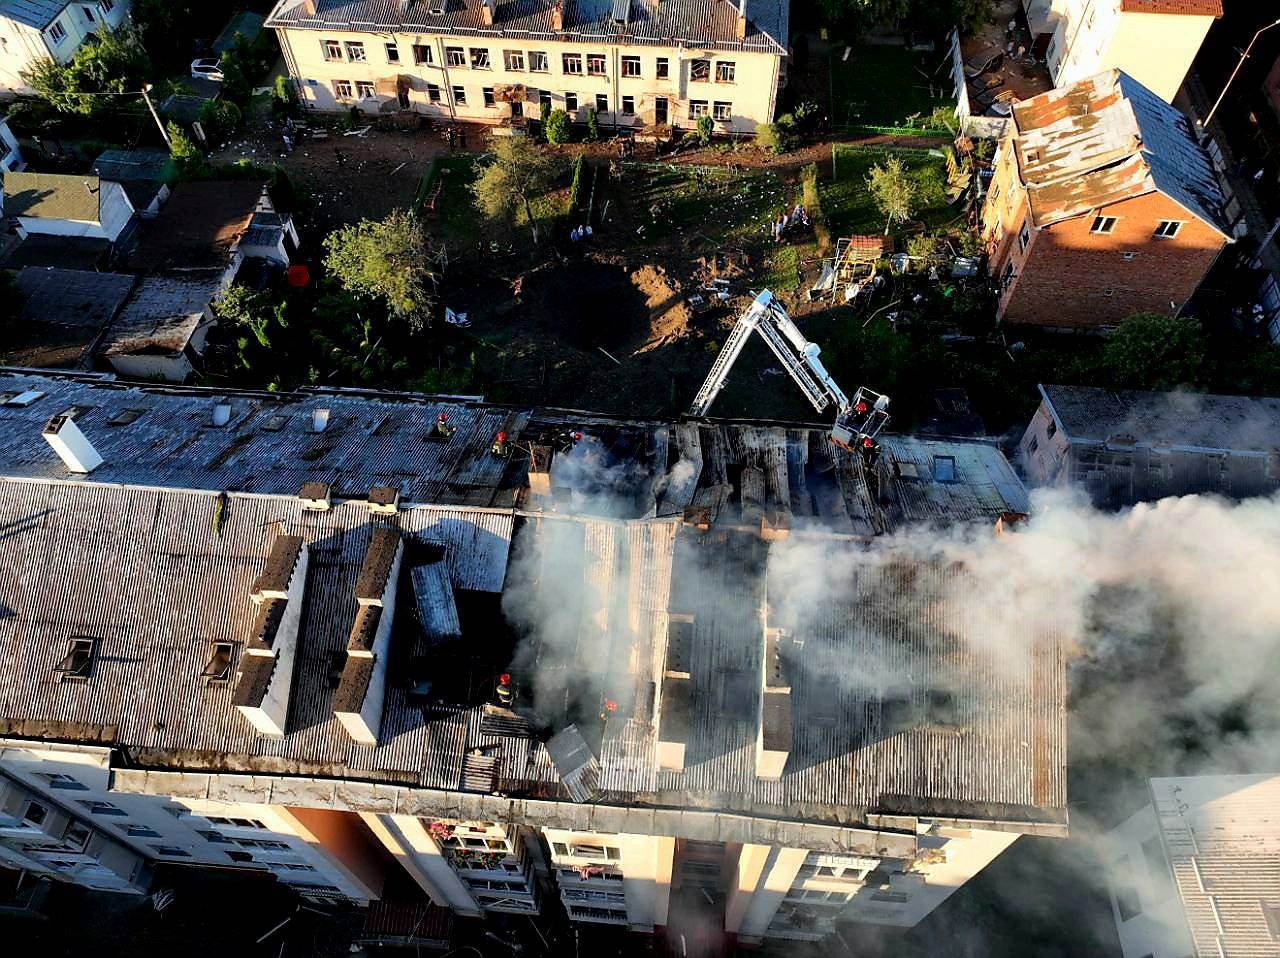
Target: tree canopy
{"points": [[894, 190], [1156, 351], [517, 173], [389, 260], [924, 16], [108, 62]]}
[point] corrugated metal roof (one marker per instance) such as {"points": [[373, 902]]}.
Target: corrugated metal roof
{"points": [[1109, 138], [34, 13], [72, 297], [163, 313], [1221, 834], [706, 23]]}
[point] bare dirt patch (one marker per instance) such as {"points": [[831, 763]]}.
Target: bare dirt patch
{"points": [[669, 316]]}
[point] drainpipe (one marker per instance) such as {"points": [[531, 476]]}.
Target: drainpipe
{"points": [[448, 86], [617, 102]]}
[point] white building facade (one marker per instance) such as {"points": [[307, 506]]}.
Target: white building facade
{"points": [[32, 31], [458, 66]]}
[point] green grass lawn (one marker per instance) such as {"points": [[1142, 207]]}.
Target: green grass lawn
{"points": [[720, 204], [847, 203], [458, 220], [884, 86]]}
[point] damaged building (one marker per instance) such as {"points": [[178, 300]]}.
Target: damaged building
{"points": [[522, 655]]}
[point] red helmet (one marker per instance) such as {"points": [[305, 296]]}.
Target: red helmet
{"points": [[610, 705], [577, 435], [861, 407], [502, 436], [867, 442], [504, 678], [442, 417]]}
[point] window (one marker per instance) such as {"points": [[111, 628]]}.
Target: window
{"points": [[1024, 237], [421, 54], [722, 111], [35, 814], [143, 831], [596, 64], [78, 662], [897, 897], [342, 89], [364, 90], [571, 102], [725, 71], [106, 6], [699, 69], [332, 49], [393, 52], [433, 93], [234, 822], [572, 63], [514, 59], [172, 851], [1103, 224], [488, 96], [218, 668], [263, 843], [1167, 229], [103, 808], [628, 106], [544, 99], [216, 838], [76, 836], [355, 51], [1109, 291], [1051, 430], [538, 62], [88, 15], [1127, 902], [944, 468], [1128, 255], [602, 103], [1007, 276], [57, 32], [663, 71], [459, 95], [698, 108], [58, 780], [1032, 446], [559, 848], [630, 66], [292, 866], [455, 56], [479, 58]]}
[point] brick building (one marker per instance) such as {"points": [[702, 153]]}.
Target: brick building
{"points": [[1102, 204]]}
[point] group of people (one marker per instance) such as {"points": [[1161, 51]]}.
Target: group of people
{"points": [[799, 216], [580, 233]]}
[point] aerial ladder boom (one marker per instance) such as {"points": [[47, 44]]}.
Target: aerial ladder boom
{"points": [[861, 418]]}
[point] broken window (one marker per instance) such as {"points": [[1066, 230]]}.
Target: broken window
{"points": [[699, 69], [1024, 237], [479, 58], [572, 63], [78, 661], [726, 71], [628, 106], [421, 54], [571, 103], [332, 49], [602, 103], [433, 93], [342, 89], [488, 96], [218, 668], [459, 95], [364, 90], [1103, 224], [355, 51], [663, 71], [514, 59], [455, 56], [538, 61], [393, 53]]}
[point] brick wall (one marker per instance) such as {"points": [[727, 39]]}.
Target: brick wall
{"points": [[1069, 277]]}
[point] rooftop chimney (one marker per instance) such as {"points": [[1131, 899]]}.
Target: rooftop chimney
{"points": [[487, 11], [742, 19], [675, 693], [363, 687], [264, 677], [316, 496], [307, 8], [557, 16], [773, 740], [71, 445], [384, 501]]}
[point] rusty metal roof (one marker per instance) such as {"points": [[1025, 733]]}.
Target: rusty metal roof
{"points": [[1105, 139]]}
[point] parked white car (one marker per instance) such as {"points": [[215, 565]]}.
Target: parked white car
{"points": [[209, 68]]}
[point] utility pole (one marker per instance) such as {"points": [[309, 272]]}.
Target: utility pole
{"points": [[1244, 56], [156, 116]]}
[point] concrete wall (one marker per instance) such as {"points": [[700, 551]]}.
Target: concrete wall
{"points": [[174, 369], [346, 841], [1044, 457], [1159, 928], [407, 839], [751, 95], [776, 874]]}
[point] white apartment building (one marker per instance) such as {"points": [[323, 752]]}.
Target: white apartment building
{"points": [[1197, 871], [291, 679], [10, 154], [636, 63], [1154, 41], [35, 30]]}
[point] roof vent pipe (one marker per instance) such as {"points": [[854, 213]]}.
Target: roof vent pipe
{"points": [[71, 445]]}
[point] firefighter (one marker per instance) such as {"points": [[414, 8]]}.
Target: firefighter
{"points": [[499, 447], [567, 440], [443, 429], [505, 694]]}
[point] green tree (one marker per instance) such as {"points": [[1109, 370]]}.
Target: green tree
{"points": [[108, 62], [558, 127], [284, 97], [388, 259], [186, 155], [518, 173], [894, 190], [593, 124], [705, 127], [220, 118], [1156, 351]]}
